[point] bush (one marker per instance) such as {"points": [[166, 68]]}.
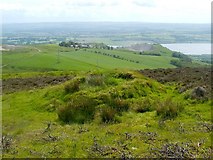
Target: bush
{"points": [[80, 109], [108, 114], [176, 63], [115, 106], [168, 109], [120, 105], [181, 56], [72, 87], [111, 81], [105, 98], [95, 80], [126, 76], [52, 105], [144, 105]]}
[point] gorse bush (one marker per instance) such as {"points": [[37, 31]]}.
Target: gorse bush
{"points": [[168, 109], [80, 109]]}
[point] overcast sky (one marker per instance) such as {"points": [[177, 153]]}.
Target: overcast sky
{"points": [[166, 11]]}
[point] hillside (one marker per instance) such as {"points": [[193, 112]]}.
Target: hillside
{"points": [[116, 114], [62, 102], [30, 58]]}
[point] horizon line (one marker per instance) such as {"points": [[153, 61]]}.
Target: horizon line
{"points": [[104, 22]]}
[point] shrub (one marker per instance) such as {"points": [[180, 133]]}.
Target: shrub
{"points": [[95, 80], [126, 76], [72, 87], [105, 98], [52, 105], [181, 56], [116, 104], [80, 109], [111, 81], [108, 114], [144, 105], [168, 109], [120, 105], [176, 63]]}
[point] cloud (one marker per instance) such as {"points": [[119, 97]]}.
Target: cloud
{"points": [[107, 10], [10, 6], [87, 3], [144, 3]]}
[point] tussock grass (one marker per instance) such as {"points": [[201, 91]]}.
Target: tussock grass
{"points": [[120, 119], [80, 109], [168, 109]]}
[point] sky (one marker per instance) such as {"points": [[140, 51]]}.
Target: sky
{"points": [[163, 11]]}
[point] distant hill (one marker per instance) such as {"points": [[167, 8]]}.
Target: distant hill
{"points": [[55, 58]]}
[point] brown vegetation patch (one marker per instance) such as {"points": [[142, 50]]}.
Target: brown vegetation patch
{"points": [[186, 78], [18, 84]]}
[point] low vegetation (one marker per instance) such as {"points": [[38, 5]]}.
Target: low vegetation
{"points": [[79, 109], [108, 114], [168, 109]]}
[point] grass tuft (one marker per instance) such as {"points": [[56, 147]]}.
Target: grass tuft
{"points": [[80, 109], [143, 105], [95, 79], [168, 109], [108, 114]]}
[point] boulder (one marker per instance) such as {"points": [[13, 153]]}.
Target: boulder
{"points": [[198, 92]]}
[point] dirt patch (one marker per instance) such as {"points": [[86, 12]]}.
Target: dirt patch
{"points": [[18, 84], [186, 78]]}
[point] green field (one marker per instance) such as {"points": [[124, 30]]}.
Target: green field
{"points": [[46, 58]]}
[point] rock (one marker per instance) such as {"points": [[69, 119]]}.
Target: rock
{"points": [[198, 92]]}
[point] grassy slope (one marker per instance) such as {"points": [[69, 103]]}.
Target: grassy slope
{"points": [[30, 58], [26, 114]]}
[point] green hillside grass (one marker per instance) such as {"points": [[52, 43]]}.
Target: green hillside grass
{"points": [[32, 126], [104, 110], [45, 58]]}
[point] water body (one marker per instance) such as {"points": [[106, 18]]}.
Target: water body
{"points": [[190, 48]]}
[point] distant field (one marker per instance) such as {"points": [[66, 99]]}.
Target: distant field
{"points": [[53, 58], [111, 33]]}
